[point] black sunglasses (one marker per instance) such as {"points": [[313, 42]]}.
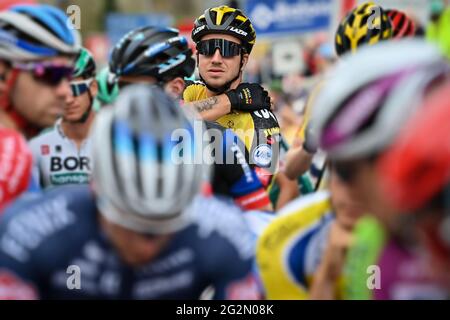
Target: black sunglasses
{"points": [[47, 72], [227, 48]]}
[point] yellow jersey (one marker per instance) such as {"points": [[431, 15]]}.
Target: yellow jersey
{"points": [[290, 248]]}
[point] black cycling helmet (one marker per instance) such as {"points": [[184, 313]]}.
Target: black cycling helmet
{"points": [[150, 51], [225, 20]]}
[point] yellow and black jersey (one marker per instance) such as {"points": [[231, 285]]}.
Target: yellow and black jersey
{"points": [[259, 130]]}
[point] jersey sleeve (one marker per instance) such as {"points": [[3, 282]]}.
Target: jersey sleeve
{"points": [[194, 92], [234, 176]]}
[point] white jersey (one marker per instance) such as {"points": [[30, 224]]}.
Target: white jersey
{"points": [[58, 160]]}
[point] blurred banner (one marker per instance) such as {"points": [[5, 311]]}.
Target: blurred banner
{"points": [[117, 24], [287, 57], [287, 17]]}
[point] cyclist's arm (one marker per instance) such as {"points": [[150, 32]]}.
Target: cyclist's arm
{"points": [[288, 190], [211, 108], [298, 162]]}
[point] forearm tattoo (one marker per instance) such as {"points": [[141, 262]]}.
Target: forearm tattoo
{"points": [[206, 104]]}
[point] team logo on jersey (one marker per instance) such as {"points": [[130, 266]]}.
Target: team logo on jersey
{"points": [[45, 150], [262, 155]]}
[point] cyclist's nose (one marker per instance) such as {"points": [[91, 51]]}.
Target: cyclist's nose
{"points": [[217, 56]]}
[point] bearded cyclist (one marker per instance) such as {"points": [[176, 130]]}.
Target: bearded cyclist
{"points": [[224, 39], [62, 153], [37, 52], [161, 56]]}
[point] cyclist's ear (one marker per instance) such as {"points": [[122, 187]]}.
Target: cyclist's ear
{"points": [[244, 61], [175, 87], [94, 89]]}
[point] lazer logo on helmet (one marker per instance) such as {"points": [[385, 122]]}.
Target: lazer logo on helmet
{"points": [[198, 30], [69, 164], [238, 31]]}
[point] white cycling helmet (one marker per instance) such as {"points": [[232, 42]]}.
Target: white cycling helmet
{"points": [[34, 32], [370, 94], [139, 184]]}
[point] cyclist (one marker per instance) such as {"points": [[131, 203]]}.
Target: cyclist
{"points": [[36, 61], [415, 173], [224, 39], [301, 244], [143, 233], [361, 109], [350, 36], [61, 154], [161, 56]]}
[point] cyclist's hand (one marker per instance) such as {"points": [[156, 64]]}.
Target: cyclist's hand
{"points": [[249, 97]]}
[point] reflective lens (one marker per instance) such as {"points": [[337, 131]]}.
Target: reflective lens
{"points": [[48, 73], [227, 48], [80, 87]]}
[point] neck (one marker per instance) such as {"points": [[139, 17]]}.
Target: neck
{"points": [[77, 131], [233, 85]]}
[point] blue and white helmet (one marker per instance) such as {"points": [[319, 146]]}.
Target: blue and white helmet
{"points": [[140, 182], [35, 32]]}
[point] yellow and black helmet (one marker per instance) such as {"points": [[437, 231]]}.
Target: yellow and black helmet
{"points": [[225, 20], [366, 24]]}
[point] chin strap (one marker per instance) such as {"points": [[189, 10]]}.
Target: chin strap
{"points": [[86, 114]]}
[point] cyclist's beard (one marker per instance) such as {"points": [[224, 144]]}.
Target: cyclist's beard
{"points": [[225, 87]]}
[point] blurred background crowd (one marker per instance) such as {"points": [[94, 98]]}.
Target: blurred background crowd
{"points": [[295, 37]]}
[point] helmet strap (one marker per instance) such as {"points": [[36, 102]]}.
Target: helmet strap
{"points": [[86, 114]]}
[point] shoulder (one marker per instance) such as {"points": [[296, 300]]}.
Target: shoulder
{"points": [[34, 223], [319, 200], [194, 91], [298, 219], [44, 137], [290, 247]]}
